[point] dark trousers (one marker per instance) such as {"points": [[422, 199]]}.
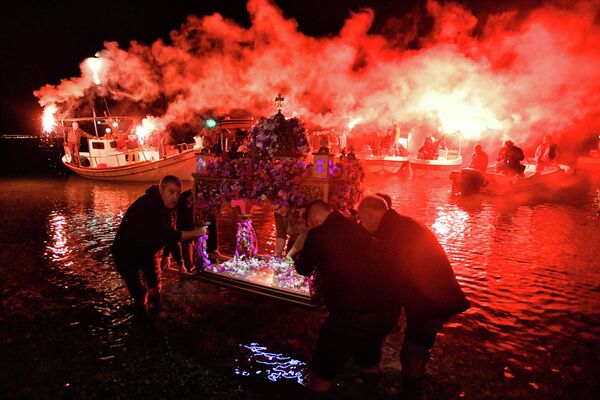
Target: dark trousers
{"points": [[139, 275], [348, 335], [173, 249]]}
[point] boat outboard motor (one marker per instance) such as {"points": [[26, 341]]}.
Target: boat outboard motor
{"points": [[470, 180]]}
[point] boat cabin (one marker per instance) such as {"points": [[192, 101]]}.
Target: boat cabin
{"points": [[105, 153]]}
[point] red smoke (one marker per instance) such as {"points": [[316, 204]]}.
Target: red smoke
{"points": [[517, 76]]}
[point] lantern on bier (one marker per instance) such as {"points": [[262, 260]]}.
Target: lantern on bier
{"points": [[203, 160], [322, 163]]}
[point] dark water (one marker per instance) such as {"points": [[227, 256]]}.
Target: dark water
{"points": [[530, 268]]}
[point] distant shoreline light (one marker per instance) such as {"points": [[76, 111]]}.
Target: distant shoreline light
{"points": [[20, 136]]}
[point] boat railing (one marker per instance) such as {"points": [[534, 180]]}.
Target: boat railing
{"points": [[181, 147], [100, 160]]}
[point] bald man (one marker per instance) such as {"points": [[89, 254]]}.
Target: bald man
{"points": [[355, 290], [423, 279]]}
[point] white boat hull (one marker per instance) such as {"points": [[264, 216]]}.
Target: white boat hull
{"points": [[387, 165], [181, 165], [439, 168]]}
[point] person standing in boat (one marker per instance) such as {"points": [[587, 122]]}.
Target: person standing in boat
{"points": [[422, 277], [162, 144], [74, 136], [480, 160], [143, 232], [133, 147], [545, 154]]}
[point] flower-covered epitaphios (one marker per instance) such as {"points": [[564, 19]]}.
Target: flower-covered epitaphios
{"points": [[278, 137], [277, 181]]}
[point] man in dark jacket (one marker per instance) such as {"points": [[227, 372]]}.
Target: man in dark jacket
{"points": [[355, 289], [423, 278], [509, 159], [143, 232]]}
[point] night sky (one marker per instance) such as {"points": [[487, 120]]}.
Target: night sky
{"points": [[43, 42]]}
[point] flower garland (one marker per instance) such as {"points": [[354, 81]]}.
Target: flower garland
{"points": [[346, 186], [278, 181]]}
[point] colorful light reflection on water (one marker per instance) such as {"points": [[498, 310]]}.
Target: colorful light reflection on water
{"points": [[530, 270], [255, 360]]}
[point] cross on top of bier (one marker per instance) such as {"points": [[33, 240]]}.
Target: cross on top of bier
{"points": [[279, 100]]}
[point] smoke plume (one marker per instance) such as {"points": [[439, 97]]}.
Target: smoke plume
{"points": [[514, 75]]}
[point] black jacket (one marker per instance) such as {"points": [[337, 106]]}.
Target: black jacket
{"points": [[345, 259], [420, 268], [145, 229], [185, 211]]}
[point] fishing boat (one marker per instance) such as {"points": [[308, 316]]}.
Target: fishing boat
{"points": [[387, 164], [109, 159], [396, 161], [442, 157], [551, 178]]}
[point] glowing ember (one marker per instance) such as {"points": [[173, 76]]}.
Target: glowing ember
{"points": [[48, 120]]}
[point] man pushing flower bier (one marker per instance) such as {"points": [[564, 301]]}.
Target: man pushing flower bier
{"points": [[423, 281], [145, 229], [356, 291]]}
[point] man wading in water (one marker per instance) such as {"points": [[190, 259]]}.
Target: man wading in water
{"points": [[144, 230], [422, 278]]}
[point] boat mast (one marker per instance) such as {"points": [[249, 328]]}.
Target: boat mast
{"points": [[95, 124]]}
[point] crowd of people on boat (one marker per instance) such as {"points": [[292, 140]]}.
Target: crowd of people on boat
{"points": [[368, 266], [510, 157]]}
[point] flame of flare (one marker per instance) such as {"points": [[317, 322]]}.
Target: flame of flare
{"points": [[48, 120], [456, 114], [148, 125], [353, 123], [95, 65]]}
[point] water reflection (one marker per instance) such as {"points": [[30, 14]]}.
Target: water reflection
{"points": [[255, 360], [450, 224], [531, 271], [57, 247], [80, 229]]}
